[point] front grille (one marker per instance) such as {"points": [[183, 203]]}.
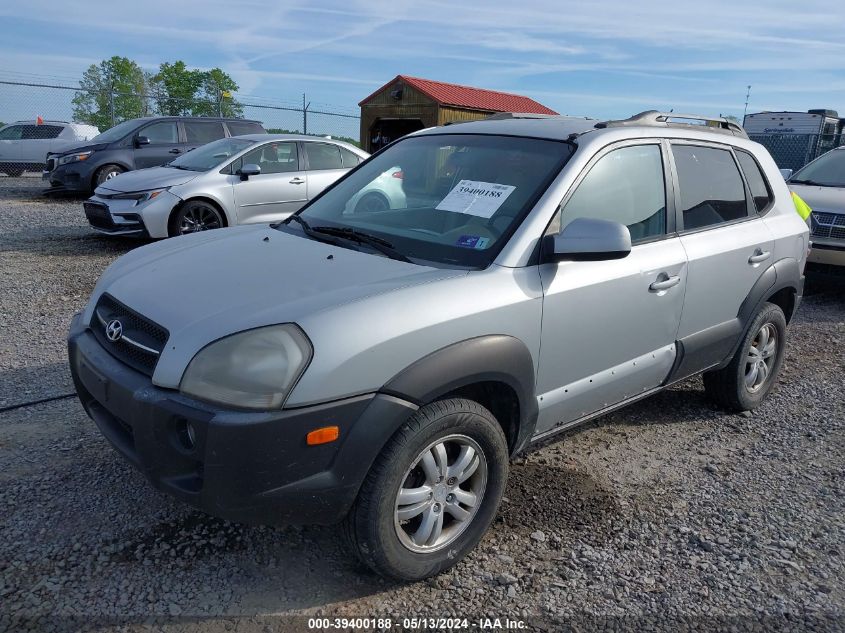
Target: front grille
{"points": [[140, 341], [828, 225], [98, 215]]}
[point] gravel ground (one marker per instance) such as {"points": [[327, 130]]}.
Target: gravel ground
{"points": [[668, 515]]}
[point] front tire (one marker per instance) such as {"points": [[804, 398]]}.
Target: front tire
{"points": [[195, 216], [107, 172], [432, 493], [751, 374]]}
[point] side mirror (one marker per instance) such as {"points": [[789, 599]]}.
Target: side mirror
{"points": [[250, 169], [142, 140], [786, 173], [586, 239]]}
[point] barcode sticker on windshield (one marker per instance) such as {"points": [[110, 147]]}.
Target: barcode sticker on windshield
{"points": [[474, 197]]}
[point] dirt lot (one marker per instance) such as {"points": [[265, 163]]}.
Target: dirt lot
{"points": [[668, 515]]}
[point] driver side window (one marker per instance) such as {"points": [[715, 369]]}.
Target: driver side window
{"points": [[627, 186]]}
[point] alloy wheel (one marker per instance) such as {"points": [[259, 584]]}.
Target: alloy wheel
{"points": [[199, 218], [761, 357], [440, 493]]}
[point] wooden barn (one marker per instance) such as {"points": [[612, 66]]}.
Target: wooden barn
{"points": [[406, 104]]}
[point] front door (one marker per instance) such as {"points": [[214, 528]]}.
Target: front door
{"points": [[728, 246], [279, 190], [609, 327], [163, 147]]}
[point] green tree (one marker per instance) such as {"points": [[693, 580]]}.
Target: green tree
{"points": [[110, 92], [216, 95], [175, 87]]}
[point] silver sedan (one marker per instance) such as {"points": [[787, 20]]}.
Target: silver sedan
{"points": [[247, 179]]}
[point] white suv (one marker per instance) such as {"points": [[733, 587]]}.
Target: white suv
{"points": [[24, 144]]}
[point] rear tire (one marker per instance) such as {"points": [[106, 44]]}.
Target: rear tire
{"points": [[107, 172], [752, 372], [14, 172], [372, 203], [195, 216], [414, 485]]}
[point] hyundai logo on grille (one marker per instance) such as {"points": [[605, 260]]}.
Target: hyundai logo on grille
{"points": [[114, 330]]}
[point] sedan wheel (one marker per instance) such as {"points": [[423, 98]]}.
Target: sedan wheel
{"points": [[197, 216]]}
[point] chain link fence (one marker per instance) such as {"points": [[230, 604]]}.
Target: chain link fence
{"points": [[793, 151], [33, 117]]}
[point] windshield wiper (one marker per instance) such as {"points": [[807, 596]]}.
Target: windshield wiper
{"points": [[813, 183], [306, 228], [374, 242]]}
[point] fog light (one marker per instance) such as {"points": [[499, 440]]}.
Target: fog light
{"points": [[322, 436], [192, 435], [186, 433]]}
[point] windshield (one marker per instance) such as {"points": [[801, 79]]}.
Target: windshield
{"points": [[211, 155], [827, 171], [117, 132], [452, 198]]}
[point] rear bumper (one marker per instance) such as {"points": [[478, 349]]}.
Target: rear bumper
{"points": [[244, 466], [828, 254]]}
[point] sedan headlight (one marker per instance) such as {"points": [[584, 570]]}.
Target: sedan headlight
{"points": [[255, 369], [74, 158], [140, 196]]}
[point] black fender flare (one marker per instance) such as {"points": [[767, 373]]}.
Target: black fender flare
{"points": [[784, 273], [489, 358]]}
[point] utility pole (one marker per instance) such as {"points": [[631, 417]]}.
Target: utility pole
{"points": [[747, 96], [304, 115]]}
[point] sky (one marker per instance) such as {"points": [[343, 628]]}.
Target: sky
{"points": [[603, 59]]}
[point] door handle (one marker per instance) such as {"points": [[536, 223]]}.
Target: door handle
{"points": [[176, 150], [297, 181], [759, 256], [664, 282]]}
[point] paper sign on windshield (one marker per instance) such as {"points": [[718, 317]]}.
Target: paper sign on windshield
{"points": [[474, 197]]}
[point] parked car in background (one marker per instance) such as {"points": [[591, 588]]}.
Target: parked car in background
{"points": [[241, 180], [821, 184], [136, 144], [381, 367], [25, 144]]}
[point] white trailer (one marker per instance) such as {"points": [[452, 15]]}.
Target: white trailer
{"points": [[824, 122]]}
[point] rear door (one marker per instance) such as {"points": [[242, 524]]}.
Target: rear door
{"points": [[280, 188], [609, 327], [324, 165], [36, 141], [727, 244], [164, 146]]}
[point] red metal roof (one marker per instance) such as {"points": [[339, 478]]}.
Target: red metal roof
{"points": [[468, 97]]}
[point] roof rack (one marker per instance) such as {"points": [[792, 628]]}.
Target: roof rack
{"points": [[675, 119]]}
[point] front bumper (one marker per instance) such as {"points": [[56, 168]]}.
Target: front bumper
{"points": [[115, 216], [70, 178], [245, 466]]}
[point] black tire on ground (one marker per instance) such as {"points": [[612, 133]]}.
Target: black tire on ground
{"points": [[372, 526], [372, 203], [107, 172], [195, 216], [14, 172], [736, 386]]}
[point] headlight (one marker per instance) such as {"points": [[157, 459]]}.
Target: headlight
{"points": [[140, 196], [255, 369], [74, 158]]}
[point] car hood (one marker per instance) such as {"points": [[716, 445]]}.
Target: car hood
{"points": [[831, 199], [78, 146], [206, 286], [147, 179]]}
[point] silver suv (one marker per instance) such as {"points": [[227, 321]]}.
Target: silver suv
{"points": [[379, 364]]}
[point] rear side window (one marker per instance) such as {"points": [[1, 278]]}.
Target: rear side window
{"points": [[711, 188], [41, 131], [756, 181], [350, 159], [236, 128], [161, 133], [203, 131], [625, 186], [323, 156]]}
